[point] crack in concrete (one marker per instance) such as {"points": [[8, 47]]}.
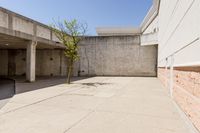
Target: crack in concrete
{"points": [[4, 113], [36, 102], [83, 118]]}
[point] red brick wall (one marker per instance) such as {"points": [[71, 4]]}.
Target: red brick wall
{"points": [[186, 90], [163, 76]]}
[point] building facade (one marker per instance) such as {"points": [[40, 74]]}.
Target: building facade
{"points": [[29, 48], [177, 25], [167, 42]]}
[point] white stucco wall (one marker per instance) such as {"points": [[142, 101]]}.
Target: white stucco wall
{"points": [[152, 26], [179, 32], [149, 35]]}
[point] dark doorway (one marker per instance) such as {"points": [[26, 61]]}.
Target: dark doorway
{"points": [[11, 62]]}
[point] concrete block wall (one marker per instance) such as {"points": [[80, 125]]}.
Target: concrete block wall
{"points": [[117, 55]]}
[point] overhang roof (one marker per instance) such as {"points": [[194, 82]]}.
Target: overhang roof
{"points": [[117, 31]]}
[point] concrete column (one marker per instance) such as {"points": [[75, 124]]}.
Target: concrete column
{"points": [[30, 61]]}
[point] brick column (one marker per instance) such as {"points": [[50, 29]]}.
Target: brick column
{"points": [[30, 61]]}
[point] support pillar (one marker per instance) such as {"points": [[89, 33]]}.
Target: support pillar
{"points": [[30, 61]]}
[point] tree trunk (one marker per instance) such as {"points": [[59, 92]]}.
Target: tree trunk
{"points": [[69, 71], [68, 75]]}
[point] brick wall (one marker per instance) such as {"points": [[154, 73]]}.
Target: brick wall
{"points": [[163, 75], [186, 90]]}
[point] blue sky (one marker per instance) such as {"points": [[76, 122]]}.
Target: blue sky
{"points": [[95, 13]]}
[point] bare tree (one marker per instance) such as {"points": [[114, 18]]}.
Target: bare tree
{"points": [[70, 33]]}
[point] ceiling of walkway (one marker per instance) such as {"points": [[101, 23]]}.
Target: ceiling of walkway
{"points": [[10, 42]]}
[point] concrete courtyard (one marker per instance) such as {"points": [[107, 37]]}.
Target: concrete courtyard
{"points": [[94, 105]]}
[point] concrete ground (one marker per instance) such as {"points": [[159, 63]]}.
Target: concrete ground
{"points": [[94, 105], [41, 82]]}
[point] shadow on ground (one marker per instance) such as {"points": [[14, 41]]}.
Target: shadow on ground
{"points": [[16, 85], [7, 90], [95, 84], [41, 82]]}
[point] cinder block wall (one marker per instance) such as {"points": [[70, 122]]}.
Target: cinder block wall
{"points": [[117, 56]]}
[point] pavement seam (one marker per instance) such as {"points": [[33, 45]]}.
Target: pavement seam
{"points": [[135, 114], [186, 120], [86, 116], [37, 102], [76, 123], [75, 85]]}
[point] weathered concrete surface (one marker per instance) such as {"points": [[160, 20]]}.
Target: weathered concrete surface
{"points": [[16, 25], [94, 105], [111, 55], [121, 56], [117, 55], [30, 61], [48, 62]]}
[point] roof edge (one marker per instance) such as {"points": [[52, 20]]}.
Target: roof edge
{"points": [[151, 15]]}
